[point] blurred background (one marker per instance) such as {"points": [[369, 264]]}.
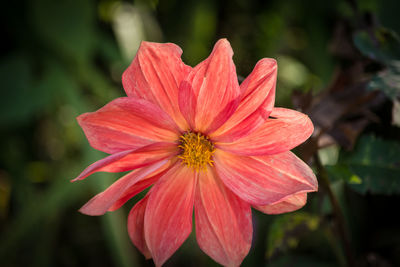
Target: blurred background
{"points": [[338, 62]]}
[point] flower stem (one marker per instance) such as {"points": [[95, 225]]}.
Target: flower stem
{"points": [[337, 211]]}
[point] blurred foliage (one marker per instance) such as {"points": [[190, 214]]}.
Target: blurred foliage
{"points": [[64, 58], [383, 46], [373, 166], [285, 231]]}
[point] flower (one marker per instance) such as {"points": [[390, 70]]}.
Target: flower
{"points": [[205, 144]]}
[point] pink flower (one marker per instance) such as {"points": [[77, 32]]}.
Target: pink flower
{"points": [[204, 143]]}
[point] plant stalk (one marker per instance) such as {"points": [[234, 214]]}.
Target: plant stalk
{"points": [[337, 211]]}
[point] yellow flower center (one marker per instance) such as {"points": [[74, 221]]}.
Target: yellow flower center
{"points": [[197, 150]]}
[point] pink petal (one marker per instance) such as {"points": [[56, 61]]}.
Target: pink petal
{"points": [[258, 97], [139, 186], [285, 130], [136, 227], [100, 203], [264, 180], [131, 159], [155, 74], [209, 95], [127, 123], [289, 204], [223, 221], [168, 218]]}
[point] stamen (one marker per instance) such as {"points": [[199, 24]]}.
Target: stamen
{"points": [[197, 150]]}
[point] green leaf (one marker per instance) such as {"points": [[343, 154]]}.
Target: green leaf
{"points": [[286, 230], [388, 81], [374, 166], [382, 45], [343, 172]]}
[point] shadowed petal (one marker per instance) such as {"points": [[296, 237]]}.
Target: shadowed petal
{"points": [[136, 227], [127, 123], [100, 203], [285, 130], [131, 159], [223, 221], [264, 180], [210, 93], [258, 97], [168, 218], [289, 204], [155, 74]]}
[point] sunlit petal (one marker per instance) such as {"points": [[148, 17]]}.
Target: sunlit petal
{"points": [[136, 227], [223, 221], [168, 218], [257, 101], [131, 159], [285, 130], [127, 123], [209, 95], [155, 74], [288, 204], [265, 180], [139, 186], [103, 201]]}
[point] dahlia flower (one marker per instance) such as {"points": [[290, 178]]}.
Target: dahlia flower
{"points": [[202, 142]]}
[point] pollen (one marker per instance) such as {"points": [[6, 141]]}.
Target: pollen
{"points": [[196, 150]]}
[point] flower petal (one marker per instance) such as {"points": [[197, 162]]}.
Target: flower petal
{"points": [[127, 123], [264, 180], [210, 93], [100, 203], [168, 218], [285, 130], [258, 97], [131, 159], [136, 226], [139, 186], [289, 204], [223, 221], [155, 74]]}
